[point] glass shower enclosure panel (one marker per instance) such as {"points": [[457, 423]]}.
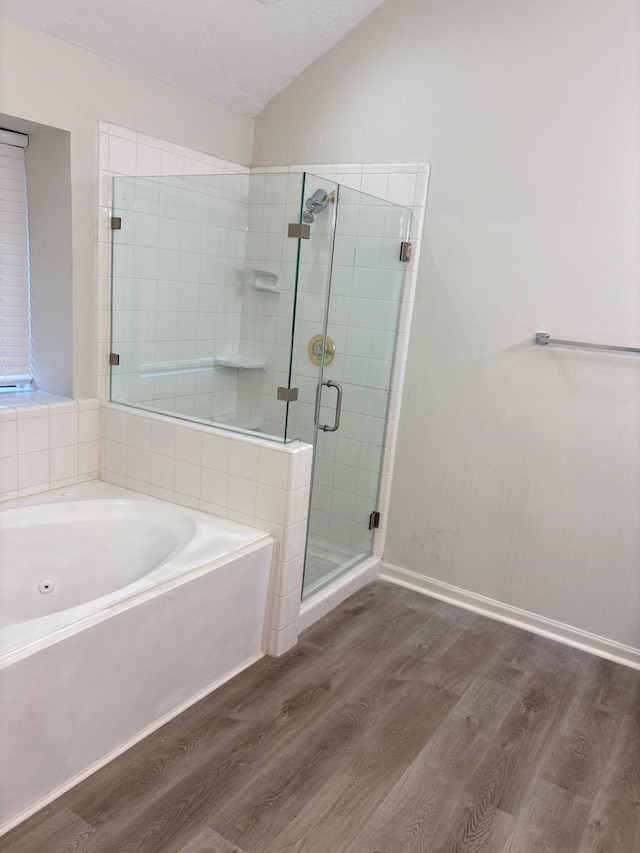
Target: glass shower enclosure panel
{"points": [[346, 369], [221, 316], [203, 291]]}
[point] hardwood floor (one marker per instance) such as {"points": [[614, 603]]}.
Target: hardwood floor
{"points": [[399, 724]]}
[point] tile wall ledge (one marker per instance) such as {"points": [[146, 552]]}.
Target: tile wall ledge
{"points": [[18, 399], [38, 403]]}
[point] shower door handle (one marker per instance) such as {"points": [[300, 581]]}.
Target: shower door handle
{"points": [[331, 384]]}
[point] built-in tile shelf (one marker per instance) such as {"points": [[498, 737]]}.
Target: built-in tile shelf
{"points": [[238, 421], [241, 362]]}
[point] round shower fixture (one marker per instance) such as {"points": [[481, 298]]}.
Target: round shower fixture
{"points": [[316, 203], [321, 350]]}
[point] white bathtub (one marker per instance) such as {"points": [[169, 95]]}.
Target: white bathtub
{"points": [[117, 611]]}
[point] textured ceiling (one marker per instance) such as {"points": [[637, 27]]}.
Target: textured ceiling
{"points": [[238, 53]]}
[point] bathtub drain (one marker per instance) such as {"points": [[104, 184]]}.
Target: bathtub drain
{"points": [[46, 586]]}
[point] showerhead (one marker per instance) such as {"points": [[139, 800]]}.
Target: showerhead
{"points": [[315, 204]]}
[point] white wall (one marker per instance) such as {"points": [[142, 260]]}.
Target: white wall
{"points": [[518, 468], [65, 87]]}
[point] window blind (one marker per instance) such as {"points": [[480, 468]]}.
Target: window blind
{"points": [[15, 338]]}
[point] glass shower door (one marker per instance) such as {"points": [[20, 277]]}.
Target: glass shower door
{"points": [[358, 326]]}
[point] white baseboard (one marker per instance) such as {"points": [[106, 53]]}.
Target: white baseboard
{"points": [[330, 596], [558, 631], [18, 818]]}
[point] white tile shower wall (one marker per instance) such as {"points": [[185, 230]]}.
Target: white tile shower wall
{"points": [[405, 184], [48, 446], [176, 313], [178, 264], [245, 479]]}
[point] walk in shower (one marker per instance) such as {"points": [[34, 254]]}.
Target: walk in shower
{"points": [[266, 303]]}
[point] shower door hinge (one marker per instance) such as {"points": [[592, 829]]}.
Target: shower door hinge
{"points": [[374, 520], [287, 395], [116, 223], [405, 250], [299, 230], [114, 359]]}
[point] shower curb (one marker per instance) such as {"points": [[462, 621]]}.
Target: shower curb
{"points": [[335, 593]]}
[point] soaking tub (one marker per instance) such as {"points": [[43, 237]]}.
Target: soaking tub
{"points": [[117, 611]]}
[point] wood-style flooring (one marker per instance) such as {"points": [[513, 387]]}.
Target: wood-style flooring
{"points": [[398, 724]]}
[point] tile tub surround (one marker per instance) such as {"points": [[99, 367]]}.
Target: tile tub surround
{"points": [[250, 480], [46, 442]]}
